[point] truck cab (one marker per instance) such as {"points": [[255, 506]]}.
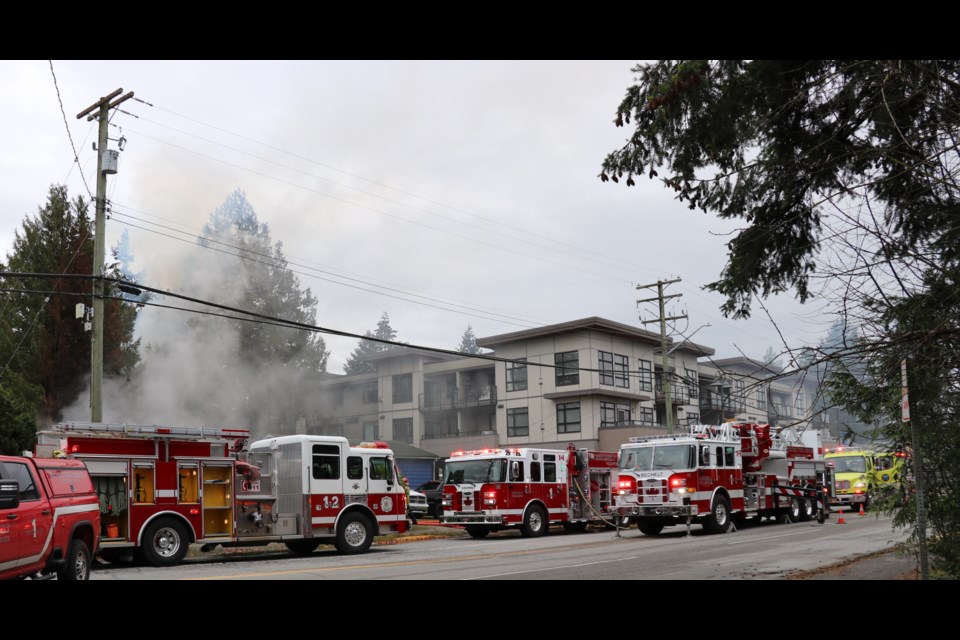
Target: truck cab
{"points": [[854, 477]]}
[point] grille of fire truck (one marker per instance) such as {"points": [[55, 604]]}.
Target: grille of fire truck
{"points": [[843, 484], [652, 491]]}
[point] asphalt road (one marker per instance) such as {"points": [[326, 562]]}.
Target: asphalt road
{"points": [[765, 551]]}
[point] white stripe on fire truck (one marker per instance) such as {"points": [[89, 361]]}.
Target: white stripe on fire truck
{"points": [[60, 511], [329, 520], [706, 495]]}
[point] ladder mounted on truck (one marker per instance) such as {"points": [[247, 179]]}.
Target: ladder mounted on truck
{"points": [[151, 432]]}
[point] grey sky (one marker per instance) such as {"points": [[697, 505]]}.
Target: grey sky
{"points": [[466, 183]]}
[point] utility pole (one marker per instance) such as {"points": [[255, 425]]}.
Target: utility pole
{"points": [[667, 379], [917, 473], [105, 164]]}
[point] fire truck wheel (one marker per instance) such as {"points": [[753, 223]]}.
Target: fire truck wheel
{"points": [[302, 547], [649, 527], [77, 566], [718, 520], [535, 522], [478, 531], [806, 510], [164, 543], [354, 533], [793, 511]]}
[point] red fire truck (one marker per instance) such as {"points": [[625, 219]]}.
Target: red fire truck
{"points": [[163, 488], [528, 488], [716, 474]]}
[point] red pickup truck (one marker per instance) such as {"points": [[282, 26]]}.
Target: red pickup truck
{"points": [[49, 518]]}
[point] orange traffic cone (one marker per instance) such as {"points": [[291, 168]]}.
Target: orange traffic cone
{"points": [[841, 520], [861, 508]]}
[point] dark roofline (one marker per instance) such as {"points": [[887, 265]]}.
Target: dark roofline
{"points": [[593, 323], [396, 352], [743, 361]]}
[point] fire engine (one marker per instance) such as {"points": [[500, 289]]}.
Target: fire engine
{"points": [[528, 488], [162, 488], [715, 474]]}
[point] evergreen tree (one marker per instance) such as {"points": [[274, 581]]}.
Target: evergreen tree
{"points": [[358, 360], [845, 171], [262, 282], [771, 359], [468, 343], [52, 350]]}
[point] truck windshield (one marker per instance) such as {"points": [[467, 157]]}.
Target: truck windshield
{"points": [[850, 464], [652, 458], [476, 471]]}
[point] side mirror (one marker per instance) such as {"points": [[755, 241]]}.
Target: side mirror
{"points": [[9, 494], [515, 470]]}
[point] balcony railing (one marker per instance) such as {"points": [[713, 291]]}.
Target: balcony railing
{"points": [[438, 436], [459, 398]]}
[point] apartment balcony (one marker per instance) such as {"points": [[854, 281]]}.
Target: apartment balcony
{"points": [[782, 410], [459, 398]]}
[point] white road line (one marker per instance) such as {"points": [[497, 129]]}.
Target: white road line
{"points": [[569, 566]]}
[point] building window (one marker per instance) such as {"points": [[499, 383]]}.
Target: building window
{"points": [[762, 398], [645, 415], [612, 413], [370, 392], [646, 375], [518, 422], [693, 418], [403, 388], [568, 368], [801, 407], [403, 430], [371, 431], [739, 399], [568, 417], [614, 370], [693, 384], [517, 376]]}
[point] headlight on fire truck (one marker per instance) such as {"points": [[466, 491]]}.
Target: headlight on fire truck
{"points": [[447, 500], [679, 485], [489, 498], [859, 485], [626, 485]]}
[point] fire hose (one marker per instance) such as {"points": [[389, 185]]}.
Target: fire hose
{"points": [[616, 521]]}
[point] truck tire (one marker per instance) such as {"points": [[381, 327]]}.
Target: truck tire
{"points": [[164, 543], [806, 510], [649, 526], [438, 511], [302, 547], [354, 533], [718, 520], [535, 522], [477, 531], [77, 566]]}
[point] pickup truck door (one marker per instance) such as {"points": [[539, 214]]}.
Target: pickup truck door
{"points": [[32, 522], [9, 533]]}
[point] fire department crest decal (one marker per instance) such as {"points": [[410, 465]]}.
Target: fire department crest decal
{"points": [[386, 504]]}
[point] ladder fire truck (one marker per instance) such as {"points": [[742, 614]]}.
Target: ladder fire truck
{"points": [[163, 488], [716, 474], [527, 488]]}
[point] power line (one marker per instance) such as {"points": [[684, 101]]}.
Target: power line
{"points": [[272, 263], [293, 323], [76, 157], [627, 265]]}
